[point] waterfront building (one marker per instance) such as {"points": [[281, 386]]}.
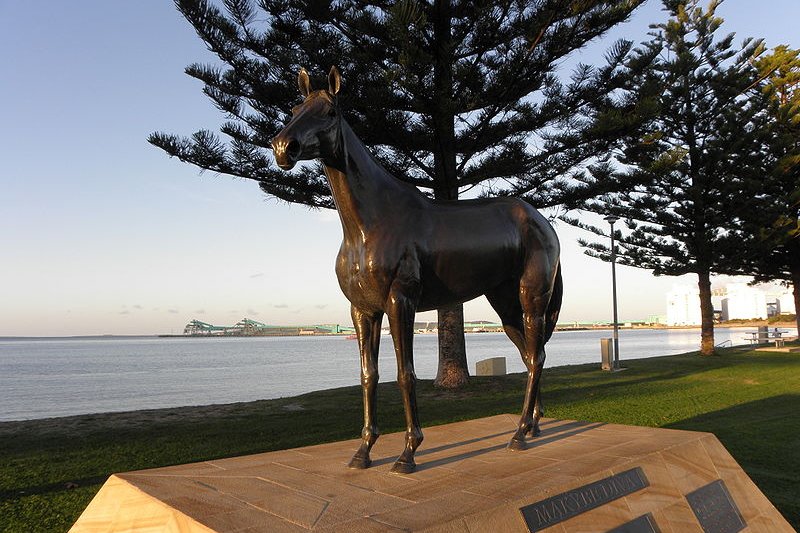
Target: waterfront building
{"points": [[683, 306], [786, 304], [743, 301]]}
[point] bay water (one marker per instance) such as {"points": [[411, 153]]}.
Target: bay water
{"points": [[51, 377]]}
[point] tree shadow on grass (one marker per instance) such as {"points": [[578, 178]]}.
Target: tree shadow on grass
{"points": [[764, 438], [560, 383]]}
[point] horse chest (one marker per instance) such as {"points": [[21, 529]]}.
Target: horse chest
{"points": [[365, 274]]}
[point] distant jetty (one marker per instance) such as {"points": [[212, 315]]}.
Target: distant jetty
{"points": [[247, 327]]}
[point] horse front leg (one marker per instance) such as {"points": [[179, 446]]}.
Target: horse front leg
{"points": [[401, 322], [368, 331]]}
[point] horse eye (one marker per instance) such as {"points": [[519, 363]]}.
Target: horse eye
{"points": [[332, 112]]}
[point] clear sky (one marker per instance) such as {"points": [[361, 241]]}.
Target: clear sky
{"points": [[102, 233]]}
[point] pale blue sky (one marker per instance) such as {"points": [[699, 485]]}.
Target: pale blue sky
{"points": [[103, 233]]}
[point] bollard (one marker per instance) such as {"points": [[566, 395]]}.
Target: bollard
{"points": [[607, 354]]}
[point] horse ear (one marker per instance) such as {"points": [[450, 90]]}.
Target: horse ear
{"points": [[334, 81], [303, 82]]}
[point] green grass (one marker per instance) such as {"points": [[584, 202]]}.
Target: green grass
{"points": [[751, 401]]}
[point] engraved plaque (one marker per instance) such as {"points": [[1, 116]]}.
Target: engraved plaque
{"points": [[644, 524], [563, 506], [715, 509]]}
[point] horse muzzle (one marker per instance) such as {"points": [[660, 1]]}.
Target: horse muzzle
{"points": [[287, 151]]}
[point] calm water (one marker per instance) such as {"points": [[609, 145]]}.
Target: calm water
{"points": [[42, 378]]}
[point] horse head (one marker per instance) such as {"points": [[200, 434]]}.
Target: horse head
{"points": [[313, 130]]}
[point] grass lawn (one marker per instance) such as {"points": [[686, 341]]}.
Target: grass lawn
{"points": [[750, 400]]}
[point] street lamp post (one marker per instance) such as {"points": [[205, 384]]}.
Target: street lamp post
{"points": [[611, 219]]}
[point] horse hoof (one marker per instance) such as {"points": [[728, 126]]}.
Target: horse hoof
{"points": [[401, 467], [517, 445], [359, 462]]}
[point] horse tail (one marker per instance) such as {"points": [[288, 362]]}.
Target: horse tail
{"points": [[554, 306]]}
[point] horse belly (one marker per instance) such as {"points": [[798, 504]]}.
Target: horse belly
{"points": [[456, 276]]}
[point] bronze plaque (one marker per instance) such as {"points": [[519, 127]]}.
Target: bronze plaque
{"points": [[563, 506], [644, 524], [715, 509]]}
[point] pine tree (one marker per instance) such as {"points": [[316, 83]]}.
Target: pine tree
{"points": [[766, 237], [450, 95], [687, 159]]}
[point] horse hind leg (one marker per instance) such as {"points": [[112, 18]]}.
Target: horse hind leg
{"points": [[534, 303], [506, 302], [550, 321]]}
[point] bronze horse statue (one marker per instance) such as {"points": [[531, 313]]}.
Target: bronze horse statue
{"points": [[402, 253]]}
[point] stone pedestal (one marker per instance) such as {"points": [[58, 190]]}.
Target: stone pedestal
{"points": [[494, 366], [574, 477]]}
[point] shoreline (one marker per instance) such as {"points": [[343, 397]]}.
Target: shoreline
{"points": [[285, 404], [82, 404], [565, 327], [125, 418]]}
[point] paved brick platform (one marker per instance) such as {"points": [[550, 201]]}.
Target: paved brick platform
{"points": [[575, 477]]}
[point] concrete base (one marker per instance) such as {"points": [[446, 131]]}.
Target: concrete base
{"points": [[574, 477], [495, 366], [784, 349]]}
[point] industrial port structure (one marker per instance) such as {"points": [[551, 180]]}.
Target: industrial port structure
{"points": [[251, 328], [247, 327]]}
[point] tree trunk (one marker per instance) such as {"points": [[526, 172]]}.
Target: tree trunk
{"points": [[706, 314], [453, 371]]}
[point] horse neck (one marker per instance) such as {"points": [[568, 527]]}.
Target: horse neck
{"points": [[364, 192]]}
